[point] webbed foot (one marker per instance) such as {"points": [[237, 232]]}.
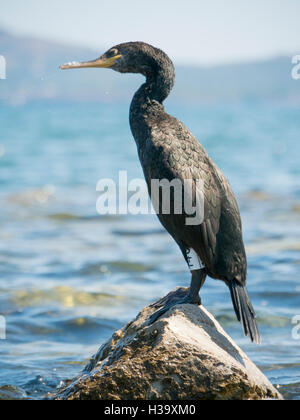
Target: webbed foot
{"points": [[180, 296], [195, 300]]}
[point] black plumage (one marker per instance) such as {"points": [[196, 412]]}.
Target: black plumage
{"points": [[167, 150]]}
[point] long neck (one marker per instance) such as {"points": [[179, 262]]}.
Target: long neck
{"points": [[146, 105]]}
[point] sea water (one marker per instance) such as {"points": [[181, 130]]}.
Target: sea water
{"points": [[70, 277]]}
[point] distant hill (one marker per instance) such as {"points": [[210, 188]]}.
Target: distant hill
{"points": [[32, 74]]}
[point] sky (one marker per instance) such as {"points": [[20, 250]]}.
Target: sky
{"points": [[190, 31]]}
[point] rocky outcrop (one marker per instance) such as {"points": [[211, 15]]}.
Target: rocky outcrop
{"points": [[184, 355]]}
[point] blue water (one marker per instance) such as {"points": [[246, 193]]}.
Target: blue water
{"points": [[70, 277]]}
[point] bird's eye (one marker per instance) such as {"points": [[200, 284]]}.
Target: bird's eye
{"points": [[112, 53]]}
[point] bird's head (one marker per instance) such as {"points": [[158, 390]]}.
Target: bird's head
{"points": [[130, 57]]}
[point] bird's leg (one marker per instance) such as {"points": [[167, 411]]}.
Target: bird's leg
{"points": [[192, 297], [197, 281]]}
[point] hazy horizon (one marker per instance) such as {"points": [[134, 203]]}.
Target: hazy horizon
{"points": [[62, 43], [194, 33]]}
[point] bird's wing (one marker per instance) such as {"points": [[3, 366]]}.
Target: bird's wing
{"points": [[176, 153]]}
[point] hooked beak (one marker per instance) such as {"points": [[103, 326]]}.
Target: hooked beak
{"points": [[99, 63]]}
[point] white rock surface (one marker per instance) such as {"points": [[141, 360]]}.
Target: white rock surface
{"points": [[184, 355]]}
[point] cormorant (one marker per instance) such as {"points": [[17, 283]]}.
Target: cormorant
{"points": [[167, 150]]}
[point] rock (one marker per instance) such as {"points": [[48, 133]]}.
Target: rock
{"points": [[184, 355]]}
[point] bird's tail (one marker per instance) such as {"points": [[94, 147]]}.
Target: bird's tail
{"points": [[244, 310]]}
